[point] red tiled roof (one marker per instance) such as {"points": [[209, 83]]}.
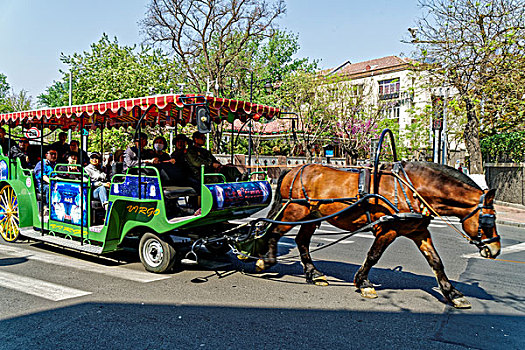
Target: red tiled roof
{"points": [[384, 63]]}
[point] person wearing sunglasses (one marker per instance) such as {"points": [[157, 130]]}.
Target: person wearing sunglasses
{"points": [[21, 152], [42, 171]]}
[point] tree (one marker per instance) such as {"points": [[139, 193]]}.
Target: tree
{"points": [[56, 95], [20, 101], [4, 89], [110, 71], [208, 37], [470, 42]]}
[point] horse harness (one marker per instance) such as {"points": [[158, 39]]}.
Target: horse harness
{"points": [[363, 197], [486, 221]]}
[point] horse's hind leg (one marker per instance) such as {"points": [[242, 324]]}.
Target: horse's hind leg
{"points": [[303, 239], [425, 245], [361, 281]]}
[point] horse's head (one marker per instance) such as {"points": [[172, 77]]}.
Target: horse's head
{"points": [[480, 226]]}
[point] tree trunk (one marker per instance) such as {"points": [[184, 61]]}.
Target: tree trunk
{"points": [[471, 136]]}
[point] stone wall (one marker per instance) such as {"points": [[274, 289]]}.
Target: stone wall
{"points": [[509, 181]]}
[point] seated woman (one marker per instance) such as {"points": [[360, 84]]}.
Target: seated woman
{"points": [[98, 178], [72, 167], [172, 172]]}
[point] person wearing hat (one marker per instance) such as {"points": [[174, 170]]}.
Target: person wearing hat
{"points": [[20, 151], [131, 154], [197, 155], [98, 179]]}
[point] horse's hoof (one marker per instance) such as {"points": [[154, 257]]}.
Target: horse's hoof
{"points": [[368, 292], [260, 265], [320, 281], [461, 303]]}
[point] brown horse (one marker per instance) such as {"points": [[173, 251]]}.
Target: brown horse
{"points": [[414, 187]]}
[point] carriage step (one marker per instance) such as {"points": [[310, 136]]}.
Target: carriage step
{"points": [[187, 261], [63, 242]]}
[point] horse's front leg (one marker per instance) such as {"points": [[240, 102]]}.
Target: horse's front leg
{"points": [[424, 243], [381, 242], [302, 240]]}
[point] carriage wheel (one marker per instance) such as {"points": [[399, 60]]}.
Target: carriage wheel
{"points": [[9, 214], [156, 254]]}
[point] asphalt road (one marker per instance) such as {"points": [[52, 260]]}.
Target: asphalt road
{"points": [[58, 299]]}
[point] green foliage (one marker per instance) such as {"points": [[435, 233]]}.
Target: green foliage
{"points": [[4, 89], [56, 95], [110, 71], [504, 147]]}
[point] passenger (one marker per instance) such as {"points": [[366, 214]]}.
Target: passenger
{"points": [[4, 142], [72, 167], [159, 150], [42, 171], [197, 155], [131, 157], [20, 151], [75, 148], [178, 158], [61, 147], [117, 166], [98, 178], [179, 154]]}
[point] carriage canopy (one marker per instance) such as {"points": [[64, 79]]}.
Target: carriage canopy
{"points": [[161, 109]]}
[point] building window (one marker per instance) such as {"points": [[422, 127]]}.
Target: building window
{"points": [[391, 112], [389, 89]]}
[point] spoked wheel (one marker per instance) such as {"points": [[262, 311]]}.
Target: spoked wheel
{"points": [[9, 214], [156, 255]]}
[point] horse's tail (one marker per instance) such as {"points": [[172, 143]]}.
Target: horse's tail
{"points": [[277, 198]]}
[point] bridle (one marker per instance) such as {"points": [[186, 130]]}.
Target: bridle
{"points": [[485, 222]]}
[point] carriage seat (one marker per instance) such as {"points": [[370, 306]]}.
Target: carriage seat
{"points": [[171, 192]]}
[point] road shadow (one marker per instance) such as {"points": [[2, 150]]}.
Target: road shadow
{"points": [[12, 261], [169, 326]]}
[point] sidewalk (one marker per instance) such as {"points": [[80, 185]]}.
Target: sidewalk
{"points": [[509, 215]]}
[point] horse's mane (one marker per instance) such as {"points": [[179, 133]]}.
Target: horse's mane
{"points": [[448, 171]]}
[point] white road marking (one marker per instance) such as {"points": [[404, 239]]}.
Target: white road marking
{"points": [[113, 271], [436, 225], [42, 289], [504, 250]]}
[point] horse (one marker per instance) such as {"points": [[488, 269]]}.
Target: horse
{"points": [[418, 189]]}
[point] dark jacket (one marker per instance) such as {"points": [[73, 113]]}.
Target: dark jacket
{"points": [[16, 152], [197, 156]]}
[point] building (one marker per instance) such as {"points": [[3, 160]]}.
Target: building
{"points": [[400, 92]]}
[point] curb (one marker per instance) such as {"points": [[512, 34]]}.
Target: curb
{"points": [[510, 223], [510, 205]]}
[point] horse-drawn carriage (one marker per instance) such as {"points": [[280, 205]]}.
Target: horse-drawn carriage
{"points": [[397, 199], [140, 204]]}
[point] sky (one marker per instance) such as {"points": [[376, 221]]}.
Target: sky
{"points": [[34, 33]]}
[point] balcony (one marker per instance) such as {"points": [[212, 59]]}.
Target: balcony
{"points": [[390, 96]]}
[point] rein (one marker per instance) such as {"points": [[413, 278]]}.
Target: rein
{"points": [[485, 220]]}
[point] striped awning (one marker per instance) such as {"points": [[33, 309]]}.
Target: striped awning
{"points": [[161, 109]]}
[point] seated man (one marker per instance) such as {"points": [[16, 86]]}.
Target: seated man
{"points": [[98, 179], [197, 155], [21, 151], [42, 170], [131, 154], [61, 147]]}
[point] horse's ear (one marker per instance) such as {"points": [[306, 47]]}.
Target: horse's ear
{"points": [[489, 197]]}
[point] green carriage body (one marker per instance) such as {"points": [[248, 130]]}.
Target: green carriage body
{"points": [[137, 205]]}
